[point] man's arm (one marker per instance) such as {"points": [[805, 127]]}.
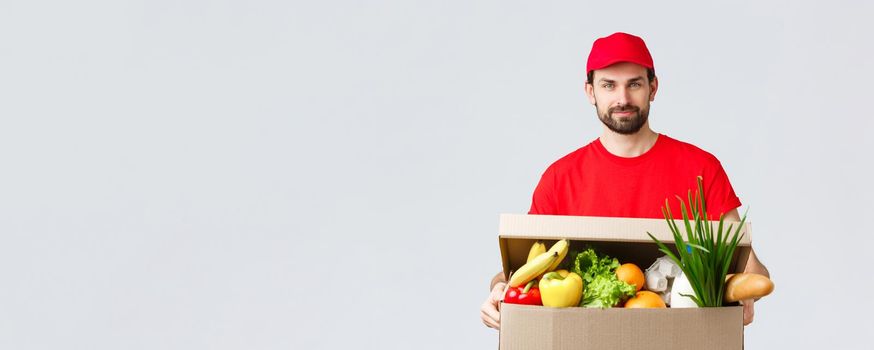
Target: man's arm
{"points": [[753, 263], [753, 266], [497, 279], [489, 312]]}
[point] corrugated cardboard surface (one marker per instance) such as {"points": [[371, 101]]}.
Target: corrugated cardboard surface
{"points": [[537, 327], [594, 228]]}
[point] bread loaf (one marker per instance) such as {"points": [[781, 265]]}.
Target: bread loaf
{"points": [[747, 286]]}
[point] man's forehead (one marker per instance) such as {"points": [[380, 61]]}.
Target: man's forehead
{"points": [[620, 71]]}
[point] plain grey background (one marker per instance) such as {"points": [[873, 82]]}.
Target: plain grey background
{"points": [[328, 175]]}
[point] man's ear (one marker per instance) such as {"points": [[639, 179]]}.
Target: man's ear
{"points": [[590, 93], [654, 87]]}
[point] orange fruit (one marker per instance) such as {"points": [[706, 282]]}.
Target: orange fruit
{"points": [[631, 274], [645, 299]]}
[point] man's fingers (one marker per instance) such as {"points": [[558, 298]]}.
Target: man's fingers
{"points": [[489, 319], [749, 311], [489, 322], [489, 310]]}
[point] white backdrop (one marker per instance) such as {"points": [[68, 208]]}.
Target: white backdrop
{"points": [[328, 175]]}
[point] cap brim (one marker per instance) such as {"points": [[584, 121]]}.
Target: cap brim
{"points": [[616, 60]]}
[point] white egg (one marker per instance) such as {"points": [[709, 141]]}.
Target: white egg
{"points": [[681, 286]]}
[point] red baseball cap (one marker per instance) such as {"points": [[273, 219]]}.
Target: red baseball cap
{"points": [[618, 47]]}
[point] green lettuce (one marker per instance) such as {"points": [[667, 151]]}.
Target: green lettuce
{"points": [[601, 287]]}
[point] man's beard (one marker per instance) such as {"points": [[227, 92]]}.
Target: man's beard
{"points": [[628, 125]]}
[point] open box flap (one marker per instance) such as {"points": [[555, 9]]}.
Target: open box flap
{"points": [[618, 237]]}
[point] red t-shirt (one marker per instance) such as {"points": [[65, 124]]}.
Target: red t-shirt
{"points": [[591, 181]]}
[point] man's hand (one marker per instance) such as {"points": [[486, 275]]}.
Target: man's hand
{"points": [[489, 311], [748, 310], [753, 265]]}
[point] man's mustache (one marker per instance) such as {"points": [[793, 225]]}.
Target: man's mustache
{"points": [[625, 108]]}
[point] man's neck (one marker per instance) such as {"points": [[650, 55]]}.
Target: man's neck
{"points": [[629, 146]]}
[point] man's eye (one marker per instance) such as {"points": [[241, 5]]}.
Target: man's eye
{"points": [[607, 86], [635, 85]]}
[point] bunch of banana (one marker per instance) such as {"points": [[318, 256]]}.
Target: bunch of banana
{"points": [[536, 249], [540, 263]]}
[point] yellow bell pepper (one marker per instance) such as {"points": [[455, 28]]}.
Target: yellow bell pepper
{"points": [[561, 288]]}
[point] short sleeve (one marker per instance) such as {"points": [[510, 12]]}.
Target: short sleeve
{"points": [[720, 195], [543, 201]]}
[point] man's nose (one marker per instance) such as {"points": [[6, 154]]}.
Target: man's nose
{"points": [[623, 96]]}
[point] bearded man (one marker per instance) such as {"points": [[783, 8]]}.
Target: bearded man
{"points": [[629, 170]]}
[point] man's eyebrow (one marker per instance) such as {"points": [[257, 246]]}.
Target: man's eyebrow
{"points": [[632, 80]]}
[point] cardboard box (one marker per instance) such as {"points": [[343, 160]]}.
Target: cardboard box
{"points": [[538, 327]]}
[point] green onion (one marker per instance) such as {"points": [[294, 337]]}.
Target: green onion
{"points": [[705, 255]]}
